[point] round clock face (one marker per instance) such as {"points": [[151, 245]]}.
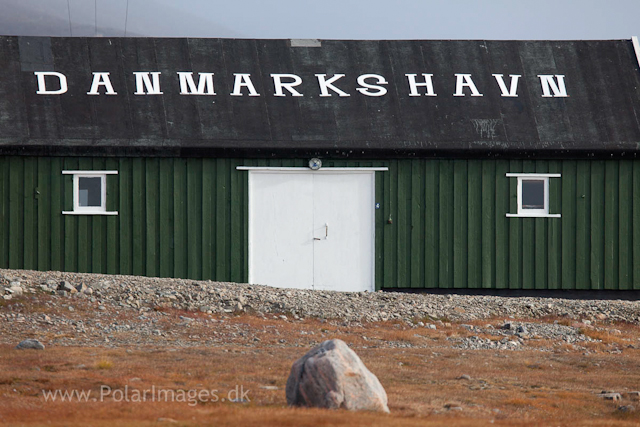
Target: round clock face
{"points": [[315, 164]]}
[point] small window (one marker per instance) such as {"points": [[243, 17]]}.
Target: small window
{"points": [[533, 194], [89, 192]]}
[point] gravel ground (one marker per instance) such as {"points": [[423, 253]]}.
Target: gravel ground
{"points": [[93, 309]]}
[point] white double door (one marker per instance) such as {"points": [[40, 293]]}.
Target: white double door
{"points": [[312, 229]]}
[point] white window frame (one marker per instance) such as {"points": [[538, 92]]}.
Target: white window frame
{"points": [[89, 210], [533, 213]]}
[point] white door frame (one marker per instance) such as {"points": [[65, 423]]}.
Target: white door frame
{"points": [[304, 170]]}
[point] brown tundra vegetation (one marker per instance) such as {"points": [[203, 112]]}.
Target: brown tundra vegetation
{"points": [[429, 381]]}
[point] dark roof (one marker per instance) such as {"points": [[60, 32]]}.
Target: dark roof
{"points": [[600, 115]]}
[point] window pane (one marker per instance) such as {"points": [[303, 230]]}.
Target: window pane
{"points": [[532, 194], [90, 191]]}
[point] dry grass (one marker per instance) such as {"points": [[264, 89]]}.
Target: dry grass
{"points": [[506, 388], [104, 364]]}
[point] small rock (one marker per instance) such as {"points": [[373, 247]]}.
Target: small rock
{"points": [[166, 420], [30, 344], [611, 396], [67, 287], [627, 408], [464, 377], [269, 387], [16, 290]]}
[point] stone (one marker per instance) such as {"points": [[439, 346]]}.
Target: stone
{"points": [[30, 344], [16, 290], [464, 377], [332, 376], [611, 396], [67, 287], [627, 408]]}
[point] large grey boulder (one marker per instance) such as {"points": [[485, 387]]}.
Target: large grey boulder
{"points": [[332, 376], [30, 344]]}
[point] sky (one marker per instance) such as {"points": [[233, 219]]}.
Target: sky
{"points": [[326, 19]]}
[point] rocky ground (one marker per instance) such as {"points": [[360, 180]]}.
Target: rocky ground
{"points": [[111, 310], [443, 359]]}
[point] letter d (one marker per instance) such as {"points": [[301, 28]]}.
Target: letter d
{"points": [[42, 85]]}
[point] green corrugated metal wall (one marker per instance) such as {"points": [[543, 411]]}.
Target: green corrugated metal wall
{"points": [[188, 218]]}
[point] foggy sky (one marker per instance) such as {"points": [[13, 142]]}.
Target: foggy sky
{"points": [[325, 19]]}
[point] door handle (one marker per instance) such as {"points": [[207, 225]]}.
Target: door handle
{"points": [[326, 233]]}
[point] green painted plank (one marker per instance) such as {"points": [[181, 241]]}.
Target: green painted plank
{"points": [[432, 223], [515, 230], [194, 215], [611, 225], [389, 260], [125, 215], [445, 241], [165, 217], [57, 219], [237, 220], [112, 236], [597, 223], [180, 217], [30, 214], [403, 241], [4, 212], [222, 218], [43, 206], [138, 214], [502, 224], [570, 200], [488, 223], [583, 224], [416, 207], [474, 223], [70, 221], [460, 240], [625, 226], [98, 225], [635, 219], [208, 192], [553, 257], [152, 226]]}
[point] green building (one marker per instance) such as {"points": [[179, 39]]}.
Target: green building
{"points": [[343, 165]]}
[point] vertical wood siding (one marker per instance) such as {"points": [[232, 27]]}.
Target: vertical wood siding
{"points": [[441, 223], [177, 218], [449, 227]]}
